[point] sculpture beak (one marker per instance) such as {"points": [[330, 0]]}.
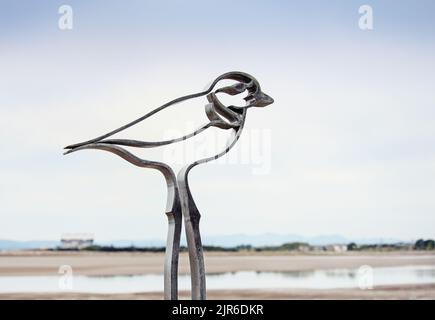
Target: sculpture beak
{"points": [[262, 100]]}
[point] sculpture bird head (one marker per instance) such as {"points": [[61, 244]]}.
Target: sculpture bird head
{"points": [[226, 117], [245, 82]]}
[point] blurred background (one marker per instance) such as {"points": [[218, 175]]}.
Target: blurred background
{"points": [[344, 155], [346, 149]]}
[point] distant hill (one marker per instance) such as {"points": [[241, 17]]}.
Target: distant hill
{"points": [[266, 239], [272, 239], [17, 245]]}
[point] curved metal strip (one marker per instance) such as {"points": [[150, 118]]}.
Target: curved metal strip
{"points": [[232, 116], [192, 217], [235, 75], [216, 120], [173, 212], [152, 144]]}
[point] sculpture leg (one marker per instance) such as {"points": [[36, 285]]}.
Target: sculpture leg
{"points": [[193, 237], [173, 212], [172, 252]]}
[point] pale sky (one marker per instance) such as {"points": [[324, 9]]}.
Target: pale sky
{"points": [[347, 148]]}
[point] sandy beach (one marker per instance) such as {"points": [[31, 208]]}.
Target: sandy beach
{"points": [[105, 264], [403, 292]]}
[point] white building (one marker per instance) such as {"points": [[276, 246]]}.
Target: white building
{"points": [[76, 240], [337, 248]]}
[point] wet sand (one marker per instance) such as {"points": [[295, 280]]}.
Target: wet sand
{"points": [[105, 264], [97, 263]]}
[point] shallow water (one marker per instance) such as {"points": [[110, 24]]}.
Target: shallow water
{"points": [[318, 279]]}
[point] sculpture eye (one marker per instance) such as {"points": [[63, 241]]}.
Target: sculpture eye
{"points": [[249, 97]]}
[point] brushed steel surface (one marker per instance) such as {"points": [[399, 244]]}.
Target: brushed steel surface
{"points": [[180, 202]]}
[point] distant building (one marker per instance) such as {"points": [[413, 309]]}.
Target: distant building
{"points": [[329, 248], [336, 248], [76, 240]]}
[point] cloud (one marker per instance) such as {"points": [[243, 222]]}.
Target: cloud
{"points": [[351, 130]]}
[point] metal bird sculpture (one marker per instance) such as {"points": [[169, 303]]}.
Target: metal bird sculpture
{"points": [[180, 202]]}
